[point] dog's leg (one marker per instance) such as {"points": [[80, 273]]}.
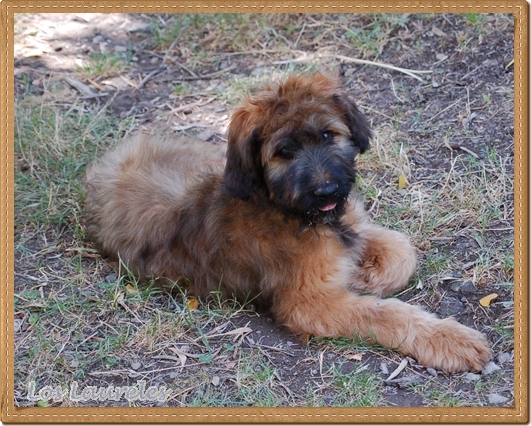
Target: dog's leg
{"points": [[388, 262], [329, 310]]}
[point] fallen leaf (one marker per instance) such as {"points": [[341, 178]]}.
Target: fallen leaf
{"points": [[182, 356], [398, 370], [79, 86], [497, 399], [438, 32], [166, 357], [355, 357], [193, 303], [402, 182], [487, 300], [33, 53], [131, 289]]}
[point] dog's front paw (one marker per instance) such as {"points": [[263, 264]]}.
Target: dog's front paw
{"points": [[453, 347]]}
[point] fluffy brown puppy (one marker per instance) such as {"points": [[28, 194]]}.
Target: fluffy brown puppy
{"points": [[276, 220]]}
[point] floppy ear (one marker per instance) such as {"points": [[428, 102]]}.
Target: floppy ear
{"points": [[243, 170], [356, 121]]}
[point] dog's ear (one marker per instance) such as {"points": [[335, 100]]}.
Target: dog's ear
{"points": [[243, 170], [356, 121]]}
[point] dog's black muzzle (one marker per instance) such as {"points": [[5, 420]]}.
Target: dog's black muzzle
{"points": [[321, 179]]}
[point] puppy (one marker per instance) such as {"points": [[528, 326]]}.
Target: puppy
{"points": [[274, 219]]}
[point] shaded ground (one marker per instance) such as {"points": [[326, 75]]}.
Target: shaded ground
{"points": [[450, 136]]}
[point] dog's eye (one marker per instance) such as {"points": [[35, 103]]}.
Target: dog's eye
{"points": [[327, 136], [285, 153]]}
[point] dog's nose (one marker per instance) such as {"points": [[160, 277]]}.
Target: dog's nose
{"points": [[326, 190]]}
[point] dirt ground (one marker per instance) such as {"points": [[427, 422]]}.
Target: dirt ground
{"points": [[187, 81]]}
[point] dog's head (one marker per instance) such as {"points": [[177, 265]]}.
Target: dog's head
{"points": [[296, 143]]}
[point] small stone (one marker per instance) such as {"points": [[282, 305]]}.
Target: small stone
{"points": [[494, 398], [441, 56], [468, 288], [383, 367], [432, 372], [471, 377], [257, 71], [17, 324], [139, 27], [74, 363], [329, 400], [111, 278], [136, 365], [205, 135], [434, 84], [450, 306], [215, 380], [491, 367], [154, 60], [490, 63], [456, 286], [348, 367], [504, 357], [404, 382], [98, 39], [120, 49], [468, 265]]}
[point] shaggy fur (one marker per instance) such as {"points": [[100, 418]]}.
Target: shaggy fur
{"points": [[273, 218]]}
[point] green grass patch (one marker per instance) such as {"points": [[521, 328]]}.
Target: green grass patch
{"points": [[53, 146], [360, 388], [103, 65]]}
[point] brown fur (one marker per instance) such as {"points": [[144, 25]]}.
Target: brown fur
{"points": [[256, 225]]}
